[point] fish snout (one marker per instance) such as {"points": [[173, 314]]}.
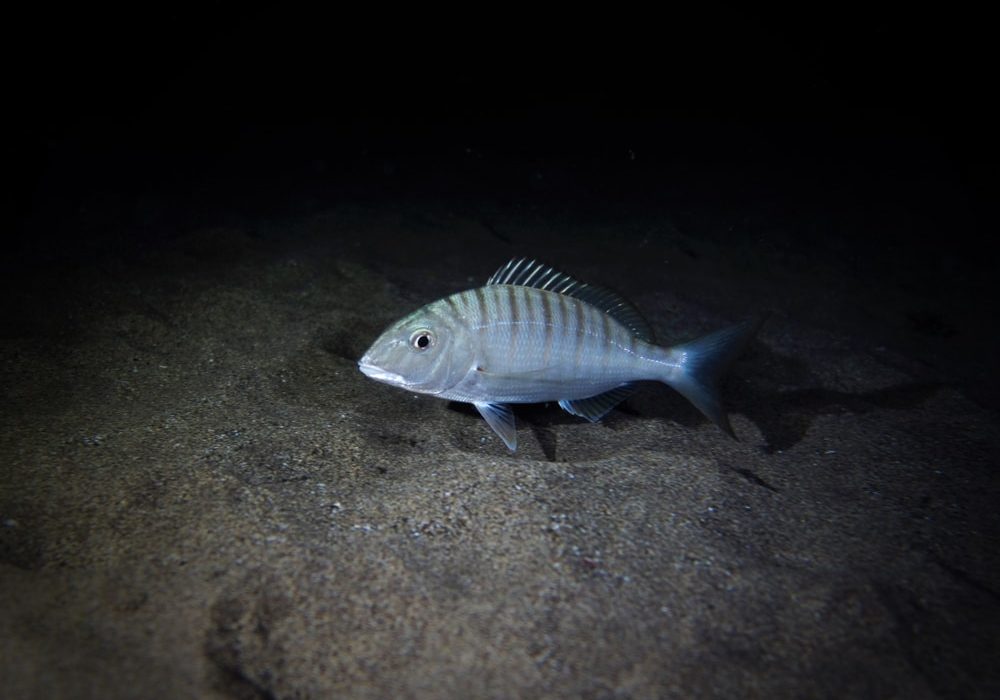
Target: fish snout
{"points": [[377, 373]]}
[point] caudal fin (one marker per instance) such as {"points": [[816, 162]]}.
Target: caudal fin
{"points": [[700, 363]]}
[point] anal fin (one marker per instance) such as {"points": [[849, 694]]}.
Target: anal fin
{"points": [[501, 419], [593, 408]]}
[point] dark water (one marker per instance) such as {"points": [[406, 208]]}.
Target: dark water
{"points": [[243, 199], [862, 147]]}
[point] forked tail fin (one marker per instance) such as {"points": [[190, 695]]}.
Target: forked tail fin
{"points": [[699, 364]]}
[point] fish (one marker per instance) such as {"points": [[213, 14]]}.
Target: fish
{"points": [[534, 334]]}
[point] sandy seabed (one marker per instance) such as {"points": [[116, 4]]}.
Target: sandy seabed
{"points": [[201, 496]]}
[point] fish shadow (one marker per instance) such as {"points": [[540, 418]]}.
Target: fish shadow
{"points": [[797, 409], [542, 419], [756, 389], [783, 417]]}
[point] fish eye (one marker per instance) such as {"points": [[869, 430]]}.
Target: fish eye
{"points": [[421, 339]]}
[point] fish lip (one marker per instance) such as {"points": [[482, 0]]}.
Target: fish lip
{"points": [[379, 374]]}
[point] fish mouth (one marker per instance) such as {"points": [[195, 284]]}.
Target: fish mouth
{"points": [[379, 374]]}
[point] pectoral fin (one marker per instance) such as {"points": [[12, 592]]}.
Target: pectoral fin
{"points": [[501, 419]]}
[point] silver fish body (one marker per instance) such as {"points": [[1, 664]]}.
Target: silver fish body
{"points": [[533, 345], [533, 334]]}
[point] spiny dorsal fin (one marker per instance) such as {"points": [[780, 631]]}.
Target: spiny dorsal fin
{"points": [[531, 273]]}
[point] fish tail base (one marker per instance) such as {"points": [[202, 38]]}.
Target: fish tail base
{"points": [[698, 365]]}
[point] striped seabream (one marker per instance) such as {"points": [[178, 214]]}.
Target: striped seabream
{"points": [[534, 334]]}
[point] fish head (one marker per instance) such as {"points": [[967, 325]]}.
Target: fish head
{"points": [[428, 352]]}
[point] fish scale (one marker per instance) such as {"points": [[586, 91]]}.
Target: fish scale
{"points": [[534, 334], [532, 338]]}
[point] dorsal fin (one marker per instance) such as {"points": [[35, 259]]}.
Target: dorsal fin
{"points": [[531, 273]]}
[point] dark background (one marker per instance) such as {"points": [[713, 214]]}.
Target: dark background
{"points": [[862, 135]]}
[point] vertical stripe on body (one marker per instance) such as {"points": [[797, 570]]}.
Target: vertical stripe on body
{"points": [[455, 308], [606, 345], [514, 314], [561, 326], [548, 330], [481, 303], [568, 330], [581, 332]]}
